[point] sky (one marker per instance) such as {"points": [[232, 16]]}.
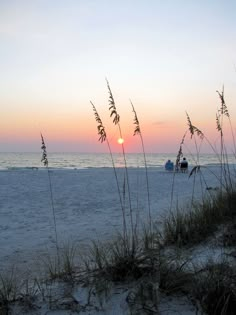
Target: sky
{"points": [[167, 57]]}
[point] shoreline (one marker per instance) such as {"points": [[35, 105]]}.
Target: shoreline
{"points": [[84, 161]]}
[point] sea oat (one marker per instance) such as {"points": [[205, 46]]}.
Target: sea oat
{"points": [[218, 125], [137, 131], [112, 107], [180, 152], [223, 108], [45, 162], [44, 154], [116, 121], [193, 129], [100, 127], [103, 137], [223, 111], [177, 163], [136, 121]]}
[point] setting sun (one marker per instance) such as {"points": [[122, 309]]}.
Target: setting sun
{"points": [[120, 140]]}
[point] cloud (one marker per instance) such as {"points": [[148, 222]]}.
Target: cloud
{"points": [[166, 124], [159, 123]]}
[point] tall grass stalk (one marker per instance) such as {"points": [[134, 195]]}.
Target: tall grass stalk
{"points": [[193, 131], [197, 168], [179, 155], [116, 120], [137, 131], [223, 112], [219, 127], [103, 137], [222, 98], [45, 162]]}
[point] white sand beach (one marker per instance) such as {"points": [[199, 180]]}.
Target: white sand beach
{"points": [[86, 203]]}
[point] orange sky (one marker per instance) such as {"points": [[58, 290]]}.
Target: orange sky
{"points": [[54, 58]]}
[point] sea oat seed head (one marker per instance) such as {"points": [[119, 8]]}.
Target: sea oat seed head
{"points": [[136, 121], [112, 106], [44, 154], [100, 127]]}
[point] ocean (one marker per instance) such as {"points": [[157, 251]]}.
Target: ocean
{"points": [[98, 160]]}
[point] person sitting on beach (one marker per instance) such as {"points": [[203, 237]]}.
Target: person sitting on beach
{"points": [[169, 166], [184, 165]]}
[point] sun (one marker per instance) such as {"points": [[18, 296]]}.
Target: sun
{"points": [[120, 141]]}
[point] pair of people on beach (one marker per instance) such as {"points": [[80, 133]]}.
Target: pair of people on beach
{"points": [[182, 166]]}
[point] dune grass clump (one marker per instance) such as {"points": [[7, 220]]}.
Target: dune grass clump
{"points": [[111, 261], [151, 271], [118, 260], [121, 261], [65, 268], [190, 227]]}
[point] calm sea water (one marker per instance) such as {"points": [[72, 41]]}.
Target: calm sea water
{"points": [[89, 160]]}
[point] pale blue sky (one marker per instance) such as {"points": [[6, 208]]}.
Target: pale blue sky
{"points": [[167, 56]]}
